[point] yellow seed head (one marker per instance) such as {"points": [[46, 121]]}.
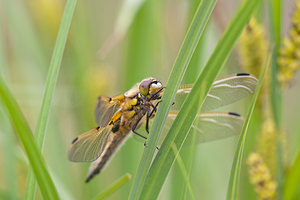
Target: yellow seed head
{"points": [[253, 51], [253, 47], [267, 143], [261, 177], [289, 54]]}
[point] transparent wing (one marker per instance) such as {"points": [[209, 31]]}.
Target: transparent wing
{"points": [[213, 126], [88, 146], [106, 107], [224, 91], [207, 126]]}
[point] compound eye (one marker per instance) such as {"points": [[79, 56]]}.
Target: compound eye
{"points": [[144, 90], [156, 85], [144, 87]]}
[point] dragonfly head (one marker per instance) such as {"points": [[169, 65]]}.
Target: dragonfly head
{"points": [[149, 86]]}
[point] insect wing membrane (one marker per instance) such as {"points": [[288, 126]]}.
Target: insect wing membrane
{"points": [[229, 89], [89, 146], [214, 126], [224, 91], [208, 126], [106, 107]]}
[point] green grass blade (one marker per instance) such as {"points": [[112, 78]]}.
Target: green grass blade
{"points": [[275, 92], [34, 156], [54, 70], [292, 180], [9, 140], [114, 187], [190, 43], [184, 172], [232, 192], [50, 86], [178, 132]]}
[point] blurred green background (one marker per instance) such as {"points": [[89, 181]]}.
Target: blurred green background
{"points": [[111, 46]]}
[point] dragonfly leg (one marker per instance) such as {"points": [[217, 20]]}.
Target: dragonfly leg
{"points": [[154, 108], [146, 143], [147, 120], [149, 115], [135, 125], [155, 95]]}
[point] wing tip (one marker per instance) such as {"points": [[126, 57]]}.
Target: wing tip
{"points": [[74, 140], [243, 74], [234, 114]]}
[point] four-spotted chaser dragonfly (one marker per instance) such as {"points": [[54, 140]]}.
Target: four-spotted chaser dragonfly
{"points": [[118, 116]]}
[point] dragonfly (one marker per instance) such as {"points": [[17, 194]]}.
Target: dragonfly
{"points": [[120, 115]]}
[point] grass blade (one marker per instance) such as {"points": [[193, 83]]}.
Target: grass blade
{"points": [[275, 92], [50, 86], [165, 157], [232, 192], [34, 156], [292, 180], [184, 172], [9, 142], [190, 43], [114, 187]]}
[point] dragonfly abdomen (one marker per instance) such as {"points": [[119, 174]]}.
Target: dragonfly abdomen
{"points": [[114, 142]]}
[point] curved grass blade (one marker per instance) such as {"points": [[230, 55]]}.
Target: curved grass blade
{"points": [[292, 180], [232, 191], [188, 47], [192, 105], [34, 156], [114, 187], [50, 86], [9, 141]]}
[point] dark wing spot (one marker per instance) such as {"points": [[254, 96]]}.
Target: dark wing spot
{"points": [[243, 74], [74, 140], [115, 128], [234, 114], [98, 127]]}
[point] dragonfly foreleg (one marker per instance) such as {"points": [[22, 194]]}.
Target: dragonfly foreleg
{"points": [[154, 108], [149, 114], [155, 95], [147, 119], [135, 125]]}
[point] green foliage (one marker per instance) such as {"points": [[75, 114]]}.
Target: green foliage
{"points": [[232, 192], [110, 47], [24, 133], [187, 49], [114, 187], [49, 89]]}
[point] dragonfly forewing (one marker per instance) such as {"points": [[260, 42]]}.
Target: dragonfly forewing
{"points": [[106, 107], [208, 126], [224, 91]]}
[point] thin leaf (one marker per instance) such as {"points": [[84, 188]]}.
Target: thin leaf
{"points": [[35, 158], [119, 183], [232, 192], [192, 105], [189, 44], [275, 92], [184, 171], [50, 86], [292, 180], [9, 140]]}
